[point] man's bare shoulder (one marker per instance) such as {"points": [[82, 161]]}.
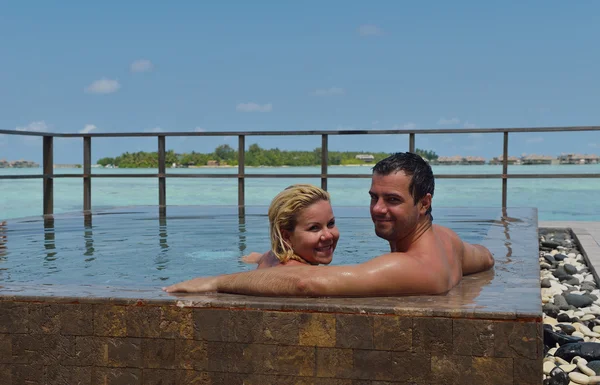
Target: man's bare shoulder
{"points": [[470, 254], [474, 258], [446, 232]]}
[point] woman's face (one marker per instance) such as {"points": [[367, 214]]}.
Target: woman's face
{"points": [[315, 235]]}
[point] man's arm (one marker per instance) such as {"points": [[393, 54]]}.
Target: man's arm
{"points": [[476, 258], [390, 274]]}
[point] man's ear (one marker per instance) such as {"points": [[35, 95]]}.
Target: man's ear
{"points": [[425, 204]]}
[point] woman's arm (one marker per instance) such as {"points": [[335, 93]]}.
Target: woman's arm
{"points": [[269, 259], [253, 257]]}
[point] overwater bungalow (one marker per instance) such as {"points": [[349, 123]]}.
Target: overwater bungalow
{"points": [[450, 160], [473, 160], [500, 160], [536, 159], [578, 159], [23, 164], [460, 160]]}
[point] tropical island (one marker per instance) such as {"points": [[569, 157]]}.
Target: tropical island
{"points": [[225, 155], [18, 164]]}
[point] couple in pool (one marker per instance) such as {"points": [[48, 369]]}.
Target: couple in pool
{"points": [[424, 258]]}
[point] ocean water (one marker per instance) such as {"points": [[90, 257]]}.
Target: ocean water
{"points": [[555, 199]]}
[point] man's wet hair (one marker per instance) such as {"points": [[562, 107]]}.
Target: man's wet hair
{"points": [[422, 181]]}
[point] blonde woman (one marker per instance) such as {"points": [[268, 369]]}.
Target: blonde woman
{"points": [[302, 229]]}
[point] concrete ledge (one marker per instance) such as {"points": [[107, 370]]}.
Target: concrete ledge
{"points": [[588, 235]]}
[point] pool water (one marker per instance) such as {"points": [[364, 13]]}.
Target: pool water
{"points": [[137, 247]]}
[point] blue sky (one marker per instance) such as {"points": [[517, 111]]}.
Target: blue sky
{"points": [[122, 66]]}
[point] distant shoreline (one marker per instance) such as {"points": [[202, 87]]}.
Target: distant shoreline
{"points": [[95, 166]]}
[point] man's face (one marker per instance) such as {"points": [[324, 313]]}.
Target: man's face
{"points": [[393, 209]]}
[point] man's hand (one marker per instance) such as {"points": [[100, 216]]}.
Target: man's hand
{"points": [[196, 285]]}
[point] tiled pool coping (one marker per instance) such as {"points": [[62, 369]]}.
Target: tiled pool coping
{"points": [[487, 330]]}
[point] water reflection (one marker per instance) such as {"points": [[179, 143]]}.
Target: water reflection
{"points": [[161, 260], [469, 290], [242, 230], [162, 232], [88, 237], [3, 251], [49, 239], [507, 242]]}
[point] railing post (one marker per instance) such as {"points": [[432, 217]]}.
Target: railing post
{"points": [[241, 170], [162, 185], [87, 173], [324, 161], [505, 170], [411, 142], [48, 164]]}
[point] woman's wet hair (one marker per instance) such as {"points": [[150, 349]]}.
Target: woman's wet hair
{"points": [[284, 211], [413, 165]]}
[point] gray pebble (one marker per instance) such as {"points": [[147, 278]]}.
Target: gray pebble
{"points": [[570, 269], [561, 302], [578, 300]]}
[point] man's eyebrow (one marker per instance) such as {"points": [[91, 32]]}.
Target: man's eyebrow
{"points": [[393, 195], [388, 195]]}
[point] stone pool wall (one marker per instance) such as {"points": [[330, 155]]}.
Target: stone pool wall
{"points": [[144, 343]]}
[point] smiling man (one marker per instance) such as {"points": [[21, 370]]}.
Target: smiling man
{"points": [[424, 258]]}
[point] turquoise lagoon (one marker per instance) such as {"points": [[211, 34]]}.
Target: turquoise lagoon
{"points": [[556, 199]]}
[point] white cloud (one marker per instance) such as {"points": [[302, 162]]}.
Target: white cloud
{"points": [[39, 126], [537, 139], [370, 30], [375, 122], [444, 121], [103, 86], [254, 107], [141, 65], [330, 91], [199, 129], [405, 126], [593, 145], [87, 129], [155, 129], [469, 125]]}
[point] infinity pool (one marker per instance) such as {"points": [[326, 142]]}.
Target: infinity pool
{"points": [[135, 247], [80, 302]]}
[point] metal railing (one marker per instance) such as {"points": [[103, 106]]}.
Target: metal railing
{"points": [[48, 175]]}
